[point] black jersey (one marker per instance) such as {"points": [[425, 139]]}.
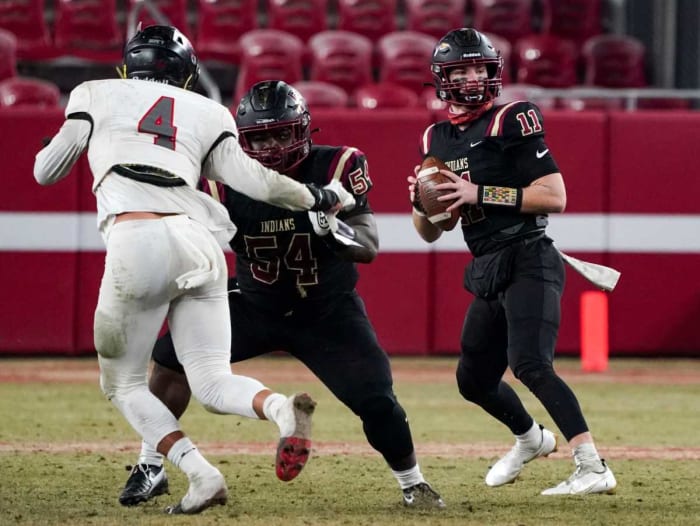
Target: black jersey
{"points": [[503, 147], [281, 264]]}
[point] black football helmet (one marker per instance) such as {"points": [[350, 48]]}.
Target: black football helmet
{"points": [[273, 105], [162, 54], [460, 48]]}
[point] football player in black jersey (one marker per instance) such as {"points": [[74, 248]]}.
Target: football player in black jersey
{"points": [[505, 182], [295, 286]]}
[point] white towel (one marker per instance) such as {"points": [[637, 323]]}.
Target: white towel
{"points": [[197, 246]]}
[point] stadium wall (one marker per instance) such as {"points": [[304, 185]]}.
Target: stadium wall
{"points": [[633, 190]]}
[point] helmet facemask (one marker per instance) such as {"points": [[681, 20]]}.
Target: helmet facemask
{"points": [[472, 94], [280, 158], [274, 107], [463, 48]]}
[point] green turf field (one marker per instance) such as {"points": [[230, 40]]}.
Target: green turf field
{"points": [[64, 451]]}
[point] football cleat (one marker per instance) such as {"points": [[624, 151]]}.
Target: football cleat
{"points": [[596, 478], [145, 482], [507, 469], [293, 451], [422, 496], [204, 492]]}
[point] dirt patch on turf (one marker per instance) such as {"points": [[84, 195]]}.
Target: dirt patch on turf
{"points": [[279, 370], [475, 450]]}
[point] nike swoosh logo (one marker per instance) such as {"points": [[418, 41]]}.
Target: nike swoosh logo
{"points": [[477, 143], [540, 154]]}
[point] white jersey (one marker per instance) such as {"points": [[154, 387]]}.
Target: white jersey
{"points": [[178, 133]]}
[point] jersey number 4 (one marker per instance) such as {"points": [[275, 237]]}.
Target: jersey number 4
{"points": [[158, 120]]}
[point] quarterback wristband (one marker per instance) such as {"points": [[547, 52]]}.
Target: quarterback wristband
{"points": [[500, 196]]}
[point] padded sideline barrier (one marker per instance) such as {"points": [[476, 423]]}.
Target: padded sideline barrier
{"points": [[615, 165]]}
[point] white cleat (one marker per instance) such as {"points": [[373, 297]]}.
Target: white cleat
{"points": [[507, 469], [204, 492], [293, 451], [586, 480]]}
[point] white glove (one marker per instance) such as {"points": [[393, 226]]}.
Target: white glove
{"points": [[323, 223], [341, 235], [347, 200]]}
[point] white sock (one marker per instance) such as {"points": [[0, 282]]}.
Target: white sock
{"points": [[149, 455], [271, 408], [409, 477], [188, 458], [532, 437], [586, 454]]}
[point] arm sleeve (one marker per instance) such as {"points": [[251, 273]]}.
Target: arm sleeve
{"points": [[56, 159]]}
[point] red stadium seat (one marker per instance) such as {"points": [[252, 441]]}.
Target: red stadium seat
{"points": [[502, 45], [547, 61], [268, 54], [174, 10], [18, 91], [614, 61], [371, 18], [511, 19], [384, 95], [435, 17], [576, 20], [302, 18], [618, 61], [219, 25], [404, 59], [8, 55], [322, 94], [341, 58], [88, 29], [25, 19]]}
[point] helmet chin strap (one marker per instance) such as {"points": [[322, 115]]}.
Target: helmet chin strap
{"points": [[469, 115]]}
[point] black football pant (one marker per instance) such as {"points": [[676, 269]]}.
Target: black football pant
{"points": [[519, 329], [340, 347]]}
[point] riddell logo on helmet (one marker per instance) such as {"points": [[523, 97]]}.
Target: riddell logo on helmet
{"points": [[471, 55]]}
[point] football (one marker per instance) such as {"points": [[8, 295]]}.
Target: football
{"points": [[428, 176]]}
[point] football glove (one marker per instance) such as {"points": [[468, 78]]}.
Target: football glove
{"points": [[336, 234], [331, 198]]}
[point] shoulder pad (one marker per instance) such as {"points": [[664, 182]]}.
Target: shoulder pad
{"points": [[349, 166], [516, 120], [79, 100]]}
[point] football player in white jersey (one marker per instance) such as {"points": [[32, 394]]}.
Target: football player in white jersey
{"points": [[149, 138]]}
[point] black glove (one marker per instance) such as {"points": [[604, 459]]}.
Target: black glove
{"points": [[325, 199]]}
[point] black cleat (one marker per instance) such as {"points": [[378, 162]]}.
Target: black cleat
{"points": [[145, 482], [422, 496]]}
